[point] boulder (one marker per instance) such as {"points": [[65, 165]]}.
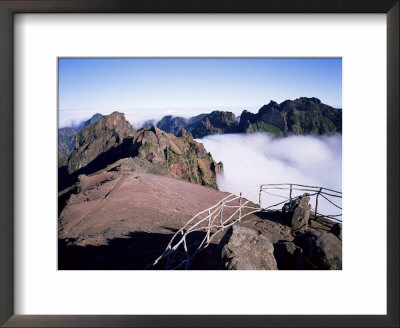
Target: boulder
{"points": [[299, 209], [288, 256], [244, 249], [322, 251]]}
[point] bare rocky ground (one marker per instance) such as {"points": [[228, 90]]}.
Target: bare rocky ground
{"points": [[124, 220]]}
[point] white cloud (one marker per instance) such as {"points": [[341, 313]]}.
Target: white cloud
{"points": [[251, 160]]}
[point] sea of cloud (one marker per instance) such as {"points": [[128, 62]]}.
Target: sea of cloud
{"points": [[254, 159]]}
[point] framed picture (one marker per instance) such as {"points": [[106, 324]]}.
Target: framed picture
{"points": [[142, 102]]}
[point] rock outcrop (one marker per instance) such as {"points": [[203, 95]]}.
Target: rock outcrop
{"points": [[289, 256], [299, 211], [321, 250], [112, 144], [243, 249], [181, 157], [101, 142]]}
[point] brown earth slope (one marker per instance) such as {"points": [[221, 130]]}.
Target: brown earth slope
{"points": [[124, 220], [111, 204]]}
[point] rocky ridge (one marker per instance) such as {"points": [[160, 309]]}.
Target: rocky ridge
{"points": [[301, 116], [158, 152], [217, 122], [112, 144], [106, 135]]}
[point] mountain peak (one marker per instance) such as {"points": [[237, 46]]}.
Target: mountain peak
{"points": [[312, 99], [300, 116], [95, 118], [107, 133]]}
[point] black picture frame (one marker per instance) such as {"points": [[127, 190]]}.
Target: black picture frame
{"points": [[10, 7]]}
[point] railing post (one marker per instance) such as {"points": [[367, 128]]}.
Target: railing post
{"points": [[240, 206], [290, 194], [209, 226], [316, 203]]}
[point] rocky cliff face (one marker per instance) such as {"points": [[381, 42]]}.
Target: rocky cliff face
{"points": [[158, 152], [106, 135], [217, 122], [201, 125], [112, 144], [301, 116]]}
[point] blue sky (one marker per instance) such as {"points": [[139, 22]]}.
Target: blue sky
{"points": [[151, 88]]}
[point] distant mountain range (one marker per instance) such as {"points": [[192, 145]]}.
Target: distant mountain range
{"points": [[94, 138], [66, 136], [299, 117]]}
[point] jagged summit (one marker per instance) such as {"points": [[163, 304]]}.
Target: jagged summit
{"points": [[112, 144], [95, 118], [301, 116], [216, 122], [159, 152], [106, 135]]}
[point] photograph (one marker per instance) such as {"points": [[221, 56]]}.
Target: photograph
{"points": [[199, 163]]}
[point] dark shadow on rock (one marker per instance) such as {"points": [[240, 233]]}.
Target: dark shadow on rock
{"points": [[126, 149], [208, 259], [64, 181], [136, 251], [63, 198], [289, 256], [275, 216]]}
